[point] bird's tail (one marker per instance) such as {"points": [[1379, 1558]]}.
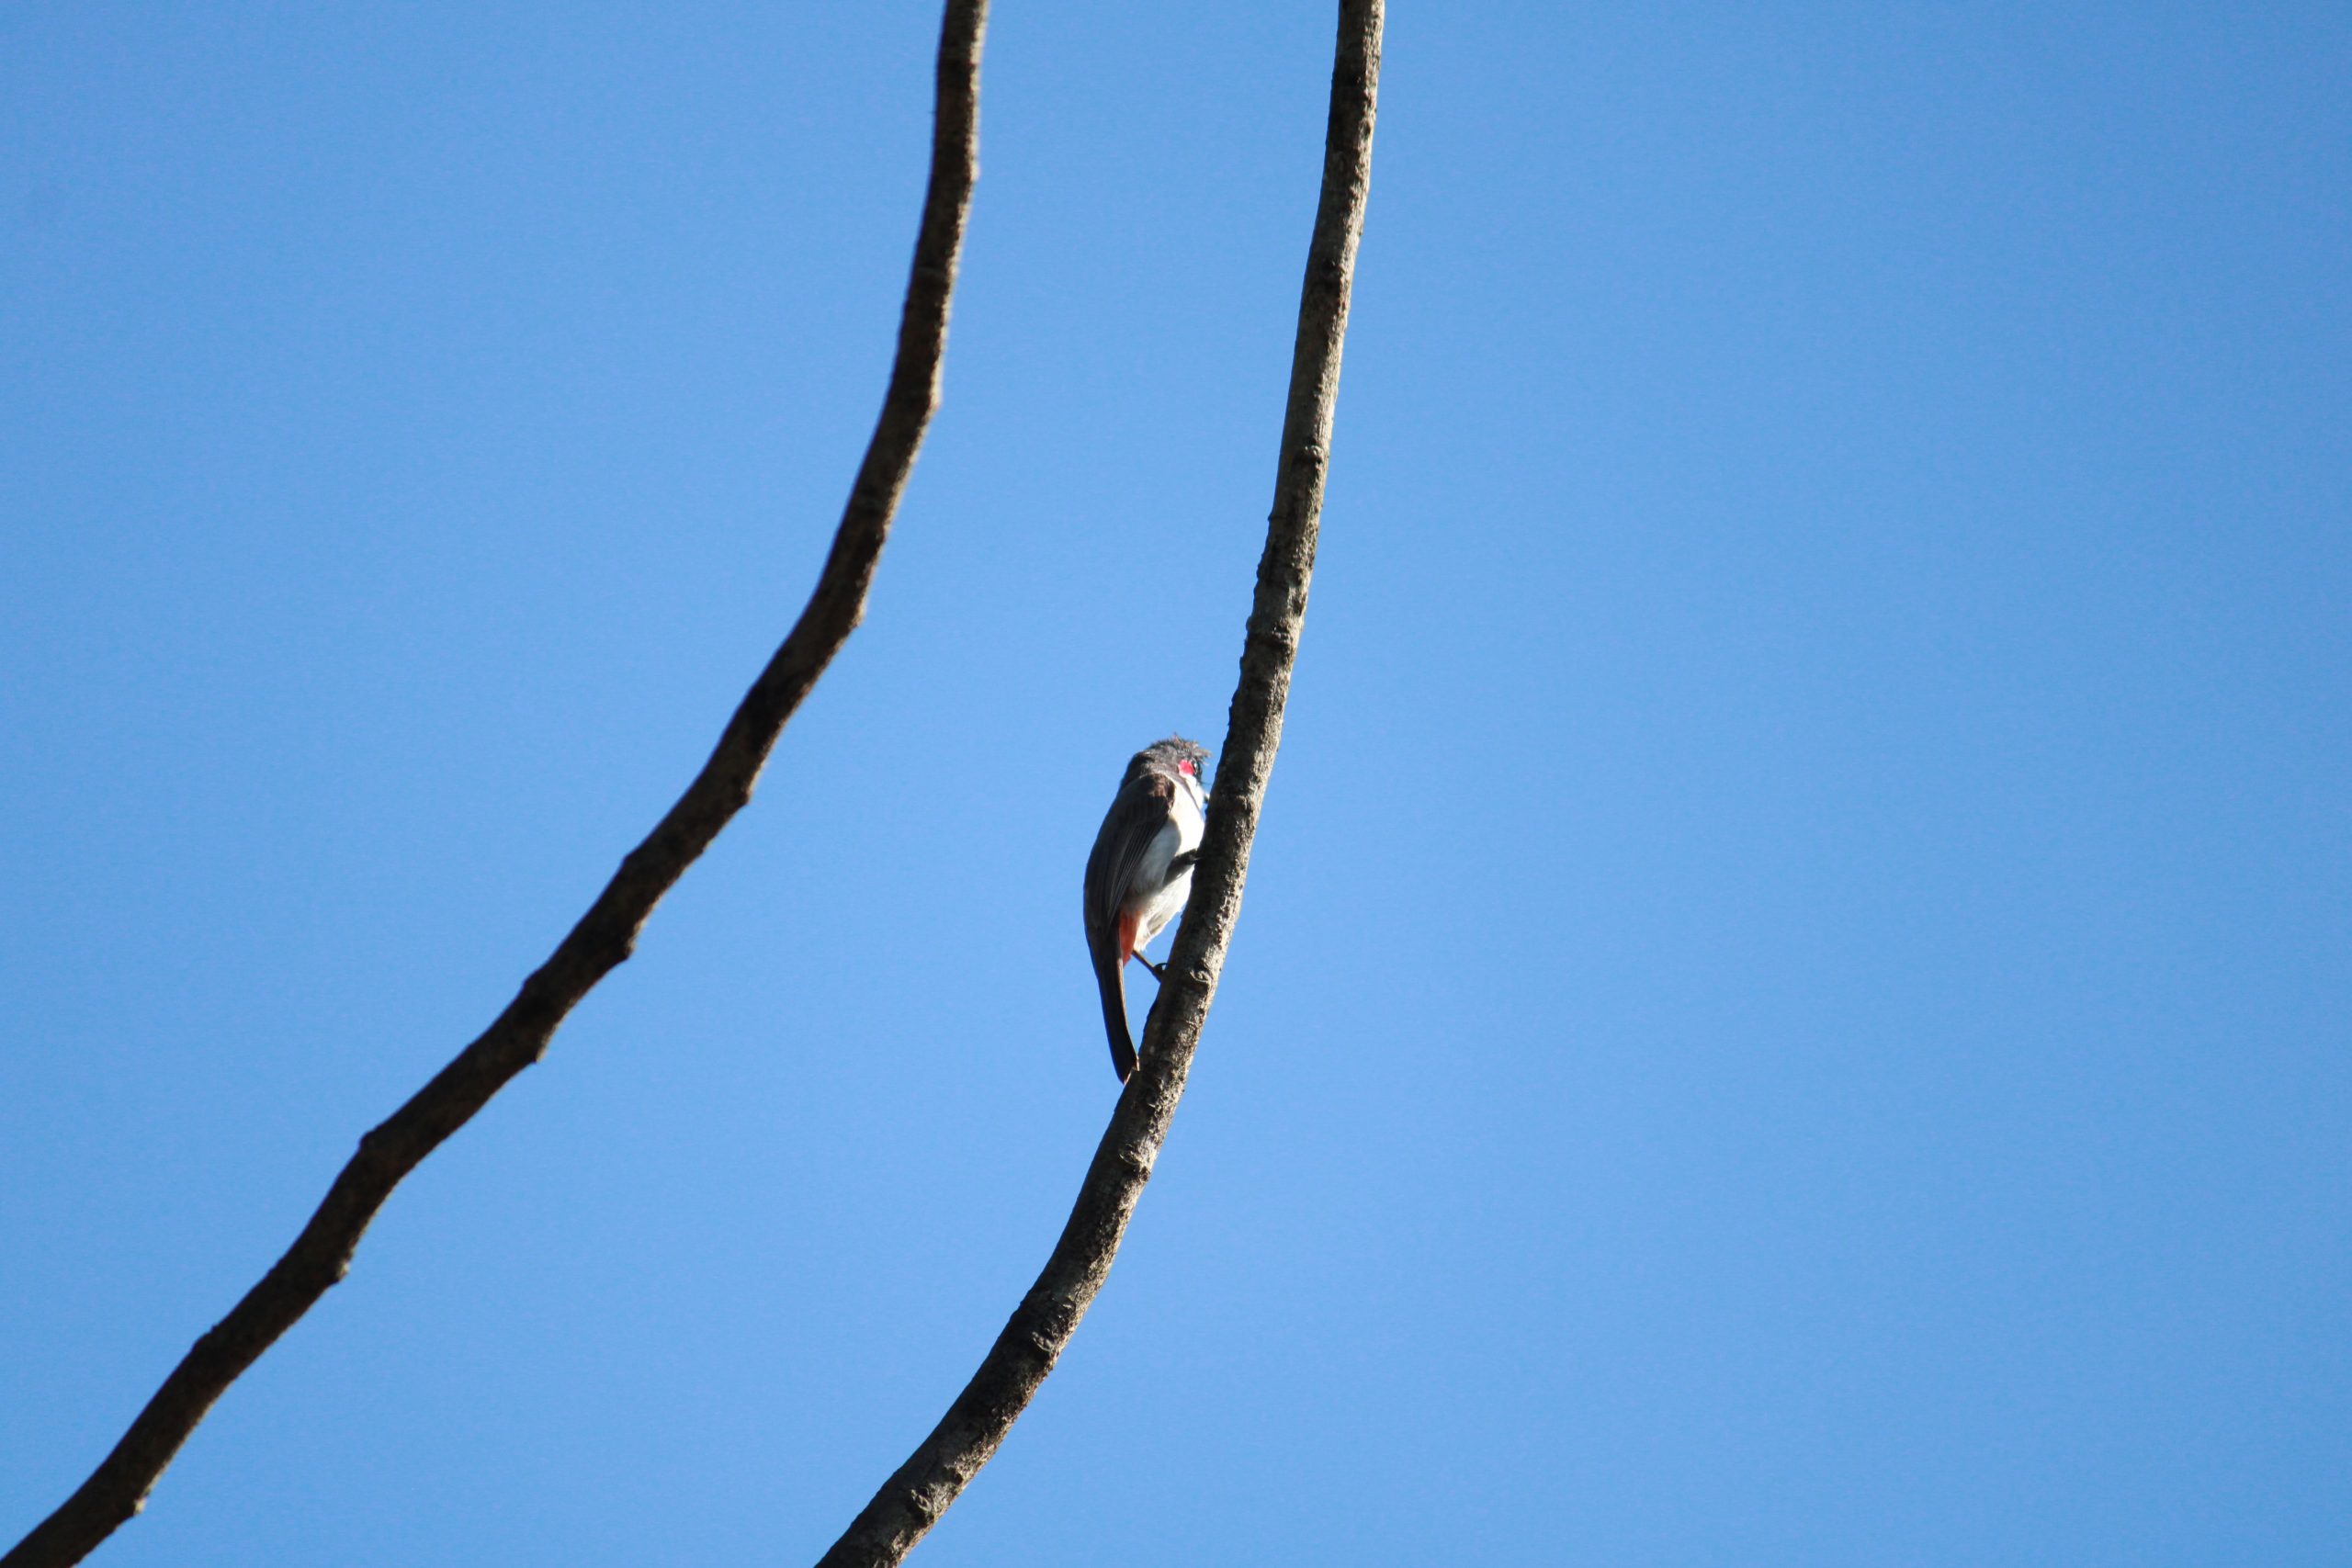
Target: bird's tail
{"points": [[1111, 975]]}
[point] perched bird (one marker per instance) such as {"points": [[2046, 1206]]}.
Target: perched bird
{"points": [[1140, 871]]}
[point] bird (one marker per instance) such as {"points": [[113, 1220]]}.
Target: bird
{"points": [[1141, 872]]}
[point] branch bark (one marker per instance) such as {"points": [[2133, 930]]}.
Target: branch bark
{"points": [[914, 1497], [607, 934]]}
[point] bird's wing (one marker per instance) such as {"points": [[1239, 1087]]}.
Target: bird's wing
{"points": [[1145, 806]]}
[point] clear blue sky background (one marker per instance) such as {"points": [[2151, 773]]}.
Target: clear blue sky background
{"points": [[1793, 1004]]}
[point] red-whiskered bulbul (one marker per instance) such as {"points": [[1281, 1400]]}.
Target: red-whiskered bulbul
{"points": [[1140, 871]]}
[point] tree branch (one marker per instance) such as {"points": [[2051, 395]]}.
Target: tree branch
{"points": [[912, 1501], [607, 934]]}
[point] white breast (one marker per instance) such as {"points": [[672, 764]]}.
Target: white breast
{"points": [[1160, 896]]}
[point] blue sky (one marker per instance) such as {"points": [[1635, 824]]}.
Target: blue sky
{"points": [[1791, 1005]]}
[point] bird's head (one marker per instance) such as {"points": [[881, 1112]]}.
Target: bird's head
{"points": [[1178, 754]]}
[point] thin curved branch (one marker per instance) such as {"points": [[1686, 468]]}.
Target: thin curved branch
{"points": [[912, 1501], [607, 934]]}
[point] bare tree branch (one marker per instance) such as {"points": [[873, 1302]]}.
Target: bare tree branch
{"points": [[607, 934], [912, 1501]]}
